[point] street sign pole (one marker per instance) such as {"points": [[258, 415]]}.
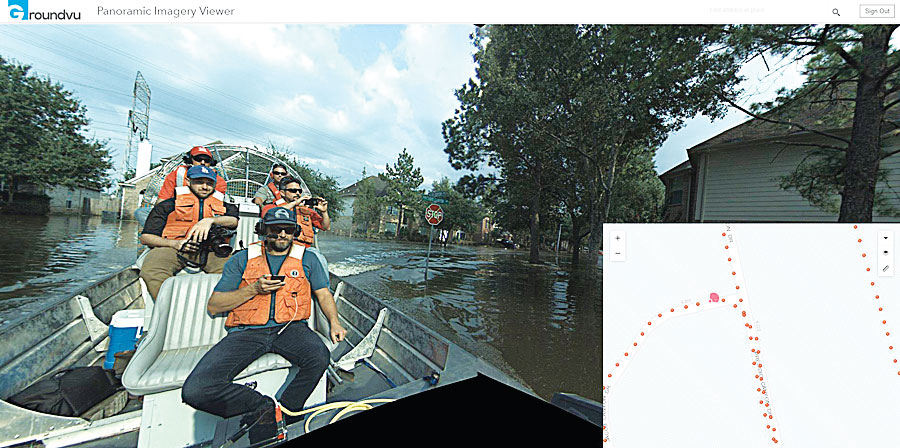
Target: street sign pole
{"points": [[434, 214], [430, 235]]}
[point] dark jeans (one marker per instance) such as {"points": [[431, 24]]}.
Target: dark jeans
{"points": [[209, 387]]}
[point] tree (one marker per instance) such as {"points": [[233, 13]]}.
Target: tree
{"points": [[595, 96], [40, 134], [459, 212], [853, 70], [366, 208], [403, 180]]}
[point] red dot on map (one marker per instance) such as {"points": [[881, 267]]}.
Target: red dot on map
{"points": [[880, 309], [617, 364], [626, 353], [868, 269], [659, 315], [760, 402], [859, 241], [698, 303], [729, 259], [642, 333], [877, 297], [854, 227], [685, 307], [723, 234], [764, 414], [756, 338], [735, 305], [649, 323], [714, 297], [672, 310], [864, 255], [726, 247]]}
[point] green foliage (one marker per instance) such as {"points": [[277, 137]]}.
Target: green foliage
{"points": [[366, 207], [403, 180], [561, 112], [459, 211], [40, 134]]}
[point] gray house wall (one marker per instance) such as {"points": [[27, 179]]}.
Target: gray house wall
{"points": [[740, 182]]}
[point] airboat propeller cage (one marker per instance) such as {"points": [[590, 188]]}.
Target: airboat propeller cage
{"points": [[245, 169]]}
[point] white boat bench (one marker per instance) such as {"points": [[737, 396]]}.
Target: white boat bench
{"points": [[181, 331]]}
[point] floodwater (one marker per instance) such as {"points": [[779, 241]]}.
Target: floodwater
{"points": [[539, 323]]}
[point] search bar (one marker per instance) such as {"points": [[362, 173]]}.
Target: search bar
{"points": [[876, 11]]}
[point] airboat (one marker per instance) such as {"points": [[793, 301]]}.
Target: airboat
{"points": [[386, 355]]}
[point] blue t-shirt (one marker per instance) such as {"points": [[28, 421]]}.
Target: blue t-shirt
{"points": [[233, 273]]}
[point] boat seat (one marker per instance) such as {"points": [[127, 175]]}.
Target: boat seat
{"points": [[180, 333], [245, 232]]}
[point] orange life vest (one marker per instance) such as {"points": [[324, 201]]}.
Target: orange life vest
{"points": [[186, 212], [277, 193], [292, 302], [307, 235]]}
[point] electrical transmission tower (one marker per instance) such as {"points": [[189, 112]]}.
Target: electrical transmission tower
{"points": [[138, 120]]}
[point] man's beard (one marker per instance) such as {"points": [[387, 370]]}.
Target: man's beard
{"points": [[278, 244]]}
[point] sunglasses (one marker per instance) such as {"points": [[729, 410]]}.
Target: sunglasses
{"points": [[202, 159], [275, 231], [279, 173], [293, 190]]}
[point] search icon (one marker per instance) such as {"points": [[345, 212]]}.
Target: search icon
{"points": [[835, 12]]}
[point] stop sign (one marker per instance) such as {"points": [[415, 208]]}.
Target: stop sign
{"points": [[434, 214]]}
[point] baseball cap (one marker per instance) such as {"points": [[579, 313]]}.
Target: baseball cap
{"points": [[200, 150], [195, 172], [280, 215]]}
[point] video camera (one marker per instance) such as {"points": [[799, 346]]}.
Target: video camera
{"points": [[216, 242]]}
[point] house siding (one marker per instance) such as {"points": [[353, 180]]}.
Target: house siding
{"points": [[741, 183]]}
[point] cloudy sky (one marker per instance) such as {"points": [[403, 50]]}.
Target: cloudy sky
{"points": [[342, 98]]}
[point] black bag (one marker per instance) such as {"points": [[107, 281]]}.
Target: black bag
{"points": [[69, 393]]}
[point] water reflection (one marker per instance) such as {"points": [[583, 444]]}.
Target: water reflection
{"points": [[54, 256], [540, 321]]}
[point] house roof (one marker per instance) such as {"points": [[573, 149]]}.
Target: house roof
{"points": [[380, 187], [820, 112], [683, 166]]}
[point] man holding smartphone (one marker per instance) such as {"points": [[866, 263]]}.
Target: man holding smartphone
{"points": [[267, 291]]}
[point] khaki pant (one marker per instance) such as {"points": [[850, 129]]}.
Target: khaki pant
{"points": [[162, 263]]}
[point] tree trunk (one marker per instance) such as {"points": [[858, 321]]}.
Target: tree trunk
{"points": [[861, 169], [399, 223], [534, 254], [596, 222]]}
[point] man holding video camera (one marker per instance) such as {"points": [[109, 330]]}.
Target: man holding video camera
{"points": [[311, 212], [184, 230]]}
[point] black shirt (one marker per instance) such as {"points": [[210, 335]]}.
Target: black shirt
{"points": [[156, 220]]}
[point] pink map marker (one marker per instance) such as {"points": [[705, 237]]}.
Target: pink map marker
{"points": [[713, 297]]}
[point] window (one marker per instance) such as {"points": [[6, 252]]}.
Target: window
{"points": [[675, 198]]}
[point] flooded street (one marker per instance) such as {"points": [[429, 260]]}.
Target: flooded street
{"points": [[541, 324]]}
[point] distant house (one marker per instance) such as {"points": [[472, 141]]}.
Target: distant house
{"points": [[735, 176], [70, 200], [344, 225]]}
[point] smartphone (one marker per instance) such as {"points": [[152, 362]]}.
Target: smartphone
{"points": [[279, 278]]}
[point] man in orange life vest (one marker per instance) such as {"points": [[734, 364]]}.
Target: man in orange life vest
{"points": [[265, 314], [176, 227], [198, 155], [309, 219], [268, 193]]}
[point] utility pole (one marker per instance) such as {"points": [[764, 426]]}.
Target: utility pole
{"points": [[138, 123]]}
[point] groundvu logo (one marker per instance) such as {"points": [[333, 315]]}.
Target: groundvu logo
{"points": [[18, 10]]}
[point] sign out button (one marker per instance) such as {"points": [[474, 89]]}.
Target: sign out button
{"points": [[876, 11]]}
